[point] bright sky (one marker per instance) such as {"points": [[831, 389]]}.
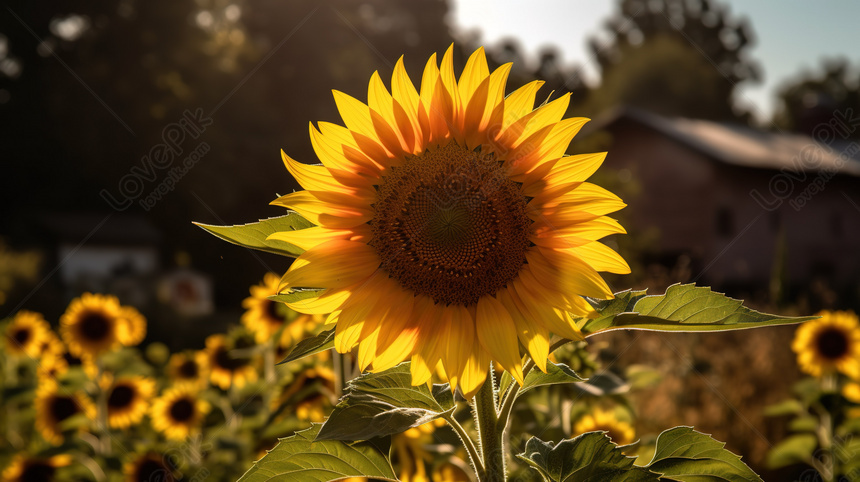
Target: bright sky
{"points": [[791, 35]]}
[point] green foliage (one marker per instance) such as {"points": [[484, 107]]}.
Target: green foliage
{"points": [[253, 235], [794, 449], [303, 457], [385, 403], [556, 374], [686, 455], [590, 456], [310, 346], [683, 308], [682, 454]]}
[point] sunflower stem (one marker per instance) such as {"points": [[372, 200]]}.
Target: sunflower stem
{"points": [[492, 444], [467, 442], [102, 411]]}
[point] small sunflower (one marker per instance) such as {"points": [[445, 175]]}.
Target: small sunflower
{"points": [[179, 412], [54, 406], [409, 451], [151, 467], [449, 472], [302, 326], [133, 328], [91, 325], [226, 370], [829, 344], [52, 363], [264, 317], [189, 368], [128, 399], [450, 226], [310, 394], [24, 468], [620, 432], [25, 334]]}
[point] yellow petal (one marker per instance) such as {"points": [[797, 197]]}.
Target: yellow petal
{"points": [[567, 172], [546, 115], [474, 73], [460, 335], [533, 335], [553, 267], [601, 257], [496, 332], [333, 264], [311, 237], [520, 103], [585, 197], [531, 304], [429, 352], [331, 215], [474, 372], [328, 301], [543, 149], [355, 114], [313, 178]]}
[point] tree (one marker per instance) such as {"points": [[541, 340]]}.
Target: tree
{"points": [[812, 98], [674, 57]]}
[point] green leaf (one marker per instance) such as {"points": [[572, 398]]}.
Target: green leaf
{"points": [[309, 346], [588, 457], [556, 374], [253, 235], [682, 454], [785, 407], [301, 458], [385, 403], [793, 450], [804, 423], [683, 308]]}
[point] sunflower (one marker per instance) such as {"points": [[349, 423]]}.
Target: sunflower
{"points": [[450, 227], [133, 328], [25, 334], [409, 451], [226, 370], [189, 368], [128, 399], [150, 467], [303, 325], [91, 325], [449, 472], [179, 412], [620, 432], [54, 406], [829, 344], [310, 394], [28, 469], [264, 317]]}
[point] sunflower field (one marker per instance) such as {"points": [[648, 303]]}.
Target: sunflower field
{"points": [[440, 321]]}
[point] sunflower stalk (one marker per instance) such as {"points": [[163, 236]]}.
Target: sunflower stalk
{"points": [[489, 435], [102, 411]]}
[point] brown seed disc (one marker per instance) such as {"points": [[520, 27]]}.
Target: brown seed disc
{"points": [[451, 225]]}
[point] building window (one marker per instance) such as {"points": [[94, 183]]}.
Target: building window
{"points": [[725, 222]]}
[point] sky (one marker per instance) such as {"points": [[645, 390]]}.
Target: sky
{"points": [[790, 35]]}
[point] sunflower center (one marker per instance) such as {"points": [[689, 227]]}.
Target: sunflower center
{"points": [[152, 470], [121, 396], [37, 471], [62, 408], [182, 410], [21, 336], [451, 225], [94, 326], [188, 369], [271, 309], [832, 344], [227, 362]]}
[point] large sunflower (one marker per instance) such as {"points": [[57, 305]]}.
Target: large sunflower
{"points": [[179, 412], [24, 468], [829, 344], [226, 369], [55, 405], [619, 431], [450, 226], [128, 399], [26, 333], [91, 325]]}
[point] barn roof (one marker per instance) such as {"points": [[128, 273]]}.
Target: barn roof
{"points": [[742, 145]]}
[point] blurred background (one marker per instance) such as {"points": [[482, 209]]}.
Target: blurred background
{"points": [[731, 129]]}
